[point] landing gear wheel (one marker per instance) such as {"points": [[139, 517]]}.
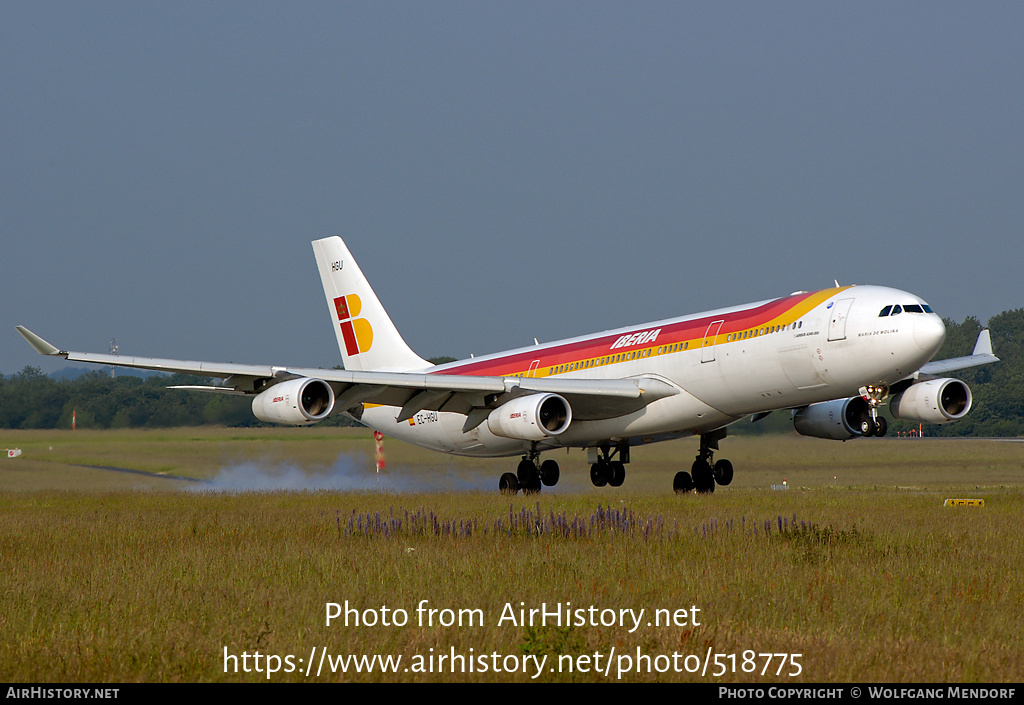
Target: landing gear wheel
{"points": [[681, 483], [881, 426], [549, 473], [526, 471], [508, 484], [617, 474], [528, 476], [867, 427], [703, 476], [723, 472], [599, 474]]}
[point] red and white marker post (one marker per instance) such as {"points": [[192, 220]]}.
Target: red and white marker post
{"points": [[379, 456]]}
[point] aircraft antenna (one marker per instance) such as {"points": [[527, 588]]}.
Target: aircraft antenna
{"points": [[113, 351]]}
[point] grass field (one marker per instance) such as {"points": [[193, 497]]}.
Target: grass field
{"points": [[115, 576]]}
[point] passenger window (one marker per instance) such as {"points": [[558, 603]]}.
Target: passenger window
{"points": [[885, 312]]}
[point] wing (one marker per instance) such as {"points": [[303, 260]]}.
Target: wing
{"points": [[982, 355], [412, 392]]}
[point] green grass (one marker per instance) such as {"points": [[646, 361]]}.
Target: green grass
{"points": [[111, 577]]}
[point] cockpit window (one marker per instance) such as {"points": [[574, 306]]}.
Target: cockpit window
{"points": [[909, 308]]}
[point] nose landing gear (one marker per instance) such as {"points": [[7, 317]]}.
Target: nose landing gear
{"points": [[875, 396]]}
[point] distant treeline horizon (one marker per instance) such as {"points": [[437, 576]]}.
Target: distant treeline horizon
{"points": [[30, 399]]}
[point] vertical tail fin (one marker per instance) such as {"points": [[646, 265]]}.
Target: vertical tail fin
{"points": [[366, 336]]}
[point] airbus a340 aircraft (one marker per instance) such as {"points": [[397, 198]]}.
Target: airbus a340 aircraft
{"points": [[832, 357]]}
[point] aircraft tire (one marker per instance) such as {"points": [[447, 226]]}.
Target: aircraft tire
{"points": [[703, 476], [526, 471], [617, 473], [682, 483], [723, 472], [881, 426], [549, 473], [509, 483], [867, 427], [599, 474]]}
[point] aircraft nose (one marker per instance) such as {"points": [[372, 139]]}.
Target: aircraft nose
{"points": [[929, 333]]}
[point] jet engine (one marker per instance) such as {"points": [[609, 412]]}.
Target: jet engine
{"points": [[839, 420], [297, 402], [935, 401], [531, 418]]}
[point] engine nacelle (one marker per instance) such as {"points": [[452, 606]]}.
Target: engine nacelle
{"points": [[297, 402], [935, 401], [531, 418], [839, 420]]}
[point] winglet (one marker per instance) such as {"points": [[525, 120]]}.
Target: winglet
{"points": [[41, 346], [984, 344]]}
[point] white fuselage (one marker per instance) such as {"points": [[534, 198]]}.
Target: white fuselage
{"points": [[725, 364]]}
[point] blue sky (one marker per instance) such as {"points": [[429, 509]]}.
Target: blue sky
{"points": [[501, 171]]}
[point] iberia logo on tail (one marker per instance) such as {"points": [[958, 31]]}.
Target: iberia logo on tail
{"points": [[357, 332]]}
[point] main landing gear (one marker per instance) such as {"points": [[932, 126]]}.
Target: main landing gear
{"points": [[528, 477], [705, 475], [605, 471]]}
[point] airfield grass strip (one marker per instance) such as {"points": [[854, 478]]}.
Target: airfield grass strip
{"points": [[152, 586], [868, 576]]}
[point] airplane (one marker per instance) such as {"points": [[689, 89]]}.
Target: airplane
{"points": [[831, 357]]}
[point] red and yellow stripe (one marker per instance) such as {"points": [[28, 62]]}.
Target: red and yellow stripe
{"points": [[671, 337]]}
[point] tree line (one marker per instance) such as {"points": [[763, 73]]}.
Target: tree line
{"points": [[30, 399], [998, 389]]}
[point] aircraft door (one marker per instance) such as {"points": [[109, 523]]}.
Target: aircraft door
{"points": [[707, 352], [837, 326]]}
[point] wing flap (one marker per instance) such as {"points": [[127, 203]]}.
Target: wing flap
{"points": [[191, 367]]}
